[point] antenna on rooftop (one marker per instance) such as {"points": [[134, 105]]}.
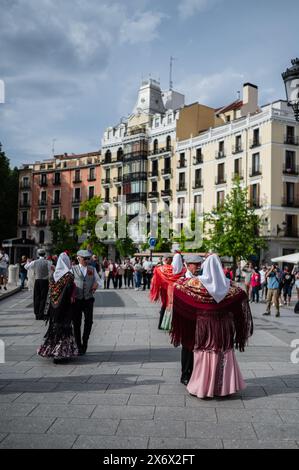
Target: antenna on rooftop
{"points": [[170, 72], [53, 147]]}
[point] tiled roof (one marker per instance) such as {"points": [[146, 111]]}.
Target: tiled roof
{"points": [[230, 107]]}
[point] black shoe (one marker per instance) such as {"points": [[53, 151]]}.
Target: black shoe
{"points": [[184, 380], [5, 288], [266, 313], [84, 348]]}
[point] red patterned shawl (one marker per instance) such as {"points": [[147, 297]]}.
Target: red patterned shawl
{"points": [[162, 284], [198, 322]]}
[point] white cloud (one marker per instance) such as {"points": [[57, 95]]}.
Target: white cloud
{"points": [[188, 8], [213, 90], [142, 28]]}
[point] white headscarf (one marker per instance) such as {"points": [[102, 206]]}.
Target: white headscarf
{"points": [[213, 278], [177, 263], [63, 266]]}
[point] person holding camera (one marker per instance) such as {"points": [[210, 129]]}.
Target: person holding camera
{"points": [[273, 280]]}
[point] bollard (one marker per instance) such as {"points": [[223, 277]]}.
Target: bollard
{"points": [[13, 271]]}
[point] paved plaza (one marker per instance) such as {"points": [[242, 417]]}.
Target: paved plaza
{"points": [[125, 393]]}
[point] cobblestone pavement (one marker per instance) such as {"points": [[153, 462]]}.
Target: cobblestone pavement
{"points": [[125, 393]]}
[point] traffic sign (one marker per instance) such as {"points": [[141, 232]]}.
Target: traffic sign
{"points": [[152, 242]]}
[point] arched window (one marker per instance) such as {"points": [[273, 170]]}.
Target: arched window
{"points": [[108, 157], [41, 237], [120, 153], [168, 143], [155, 146]]}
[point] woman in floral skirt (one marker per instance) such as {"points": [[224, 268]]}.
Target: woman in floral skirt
{"points": [[59, 340]]}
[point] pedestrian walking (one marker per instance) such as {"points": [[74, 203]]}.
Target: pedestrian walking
{"points": [[273, 279], [288, 280], [87, 281], [147, 273], [59, 339], [42, 270], [4, 263], [211, 317], [23, 271], [255, 283]]}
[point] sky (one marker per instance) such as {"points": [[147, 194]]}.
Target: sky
{"points": [[71, 68]]}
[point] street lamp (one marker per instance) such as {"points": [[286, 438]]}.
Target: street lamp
{"points": [[291, 82]]}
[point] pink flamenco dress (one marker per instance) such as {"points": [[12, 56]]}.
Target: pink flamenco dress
{"points": [[211, 330]]}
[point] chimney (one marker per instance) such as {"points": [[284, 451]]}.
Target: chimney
{"points": [[250, 99]]}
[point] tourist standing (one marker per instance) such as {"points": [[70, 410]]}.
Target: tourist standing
{"points": [[23, 271], [273, 279], [288, 280], [255, 283], [42, 270], [147, 273]]}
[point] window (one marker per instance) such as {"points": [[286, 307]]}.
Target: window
{"points": [[24, 234], [119, 191], [42, 216], [290, 158], [25, 182], [256, 138], [198, 204], [92, 173], [43, 179], [290, 137], [198, 157], [77, 176], [77, 196], [155, 146], [76, 213], [220, 198], [107, 194], [182, 183], [169, 119], [120, 154], [290, 193], [228, 118], [157, 122], [291, 229], [55, 214], [255, 195], [155, 168], [166, 165], [255, 164], [168, 143], [41, 236], [237, 167], [220, 173], [154, 186], [107, 175], [238, 143], [56, 196], [167, 185], [181, 203], [90, 192], [25, 218], [25, 198], [108, 157], [119, 173], [57, 178]]}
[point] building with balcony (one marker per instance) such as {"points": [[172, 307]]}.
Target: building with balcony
{"points": [[55, 188]]}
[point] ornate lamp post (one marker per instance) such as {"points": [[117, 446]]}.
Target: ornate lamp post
{"points": [[291, 82]]}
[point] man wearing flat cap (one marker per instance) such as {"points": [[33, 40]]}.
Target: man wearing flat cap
{"points": [[87, 281], [42, 269], [193, 263]]}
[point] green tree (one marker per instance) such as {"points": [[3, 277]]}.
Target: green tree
{"points": [[231, 229], [63, 237], [86, 226], [125, 246], [8, 198], [189, 235]]}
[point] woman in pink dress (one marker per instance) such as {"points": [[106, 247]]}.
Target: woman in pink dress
{"points": [[211, 316]]}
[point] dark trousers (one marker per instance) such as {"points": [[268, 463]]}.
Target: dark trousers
{"points": [[147, 277], [187, 363], [130, 280], [119, 281], [86, 307], [110, 277], [40, 293]]}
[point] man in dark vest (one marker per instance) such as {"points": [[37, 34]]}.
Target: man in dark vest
{"points": [[41, 269], [193, 263], [87, 281]]}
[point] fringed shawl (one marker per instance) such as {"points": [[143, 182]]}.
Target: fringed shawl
{"points": [[198, 322], [162, 284], [57, 289]]}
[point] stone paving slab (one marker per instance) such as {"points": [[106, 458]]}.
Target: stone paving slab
{"points": [[26, 424], [173, 443], [250, 416], [101, 399], [278, 432], [151, 428], [123, 412], [157, 400], [63, 411], [206, 430], [102, 442], [91, 426], [35, 441], [253, 444], [15, 409]]}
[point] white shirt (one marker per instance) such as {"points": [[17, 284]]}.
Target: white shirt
{"points": [[263, 276], [147, 265], [97, 278], [30, 264], [4, 261], [189, 275]]}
